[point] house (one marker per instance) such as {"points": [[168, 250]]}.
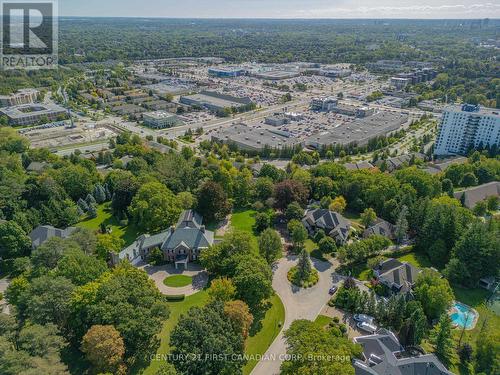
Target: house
{"points": [[472, 196], [37, 167], [384, 355], [381, 228], [489, 283], [399, 277], [180, 244], [332, 223], [43, 232]]}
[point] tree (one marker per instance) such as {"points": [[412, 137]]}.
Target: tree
{"points": [[195, 335], [327, 245], [305, 339], [434, 293], [186, 200], [82, 204], [488, 351], [155, 257], [469, 179], [465, 353], [414, 326], [298, 233], [339, 205], [108, 243], [104, 348], [125, 298], [80, 268], [492, 203], [270, 246], [304, 267], [262, 221], [294, 211], [239, 314], [264, 188], [401, 225], [76, 180], [368, 217], [90, 200], [86, 239], [475, 255], [480, 209], [13, 240], [253, 280], [92, 212], [441, 338], [289, 191], [154, 207], [222, 289], [12, 142], [213, 203], [99, 194], [166, 368]]}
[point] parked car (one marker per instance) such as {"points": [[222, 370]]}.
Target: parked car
{"points": [[333, 290], [363, 318], [367, 327]]}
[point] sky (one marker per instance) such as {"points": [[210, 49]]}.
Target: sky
{"points": [[282, 8]]}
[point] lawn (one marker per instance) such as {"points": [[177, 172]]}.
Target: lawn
{"points": [[415, 259], [244, 221], [178, 281], [258, 343], [323, 320], [312, 249], [176, 310], [128, 233]]}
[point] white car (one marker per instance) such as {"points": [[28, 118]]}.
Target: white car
{"points": [[363, 318], [371, 328]]}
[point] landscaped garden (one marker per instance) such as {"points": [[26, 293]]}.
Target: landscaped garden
{"points": [[178, 281]]}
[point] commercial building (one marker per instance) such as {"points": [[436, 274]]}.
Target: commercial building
{"points": [[359, 131], [279, 119], [465, 127], [25, 96], [30, 114], [324, 104], [275, 75], [226, 72], [254, 139], [214, 101], [330, 104], [401, 80], [400, 83], [160, 120]]}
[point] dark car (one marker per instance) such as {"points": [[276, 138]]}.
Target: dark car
{"points": [[333, 290]]}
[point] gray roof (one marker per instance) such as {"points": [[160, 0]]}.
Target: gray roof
{"points": [[474, 195], [189, 232], [37, 166], [381, 228], [384, 355], [43, 232], [331, 222], [400, 275]]}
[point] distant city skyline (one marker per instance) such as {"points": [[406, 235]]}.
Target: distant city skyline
{"points": [[425, 9]]}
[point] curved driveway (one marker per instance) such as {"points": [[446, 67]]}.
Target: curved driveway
{"points": [[299, 304]]}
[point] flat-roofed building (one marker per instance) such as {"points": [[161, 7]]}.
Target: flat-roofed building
{"points": [[30, 114], [161, 120], [214, 101], [226, 72], [359, 131], [254, 139], [24, 96]]}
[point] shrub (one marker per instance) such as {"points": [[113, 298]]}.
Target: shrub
{"points": [[175, 297]]}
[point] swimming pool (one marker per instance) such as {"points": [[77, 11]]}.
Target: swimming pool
{"points": [[463, 316]]}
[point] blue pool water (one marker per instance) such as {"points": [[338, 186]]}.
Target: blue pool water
{"points": [[462, 316]]}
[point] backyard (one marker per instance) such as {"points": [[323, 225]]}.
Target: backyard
{"points": [[127, 233]]}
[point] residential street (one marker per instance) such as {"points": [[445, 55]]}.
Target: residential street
{"points": [[299, 304]]}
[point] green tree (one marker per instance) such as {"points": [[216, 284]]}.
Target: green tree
{"points": [[253, 280], [401, 229], [240, 315], [488, 351], [298, 233], [270, 246], [294, 211], [368, 217], [154, 207], [13, 240], [327, 245], [80, 268], [195, 335], [304, 338], [434, 293], [304, 267], [222, 289], [442, 339]]}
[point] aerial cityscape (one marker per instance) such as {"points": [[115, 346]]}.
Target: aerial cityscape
{"points": [[248, 187]]}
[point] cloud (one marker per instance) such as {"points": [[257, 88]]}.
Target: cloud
{"points": [[478, 10]]}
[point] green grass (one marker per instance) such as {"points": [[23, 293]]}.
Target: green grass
{"points": [[244, 220], [323, 320], [178, 281], [415, 259], [312, 249], [176, 310], [259, 342], [128, 233]]}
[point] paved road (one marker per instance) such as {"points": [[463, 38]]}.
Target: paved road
{"points": [[299, 304], [4, 307]]}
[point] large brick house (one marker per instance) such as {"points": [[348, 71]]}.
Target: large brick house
{"points": [[180, 244]]}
